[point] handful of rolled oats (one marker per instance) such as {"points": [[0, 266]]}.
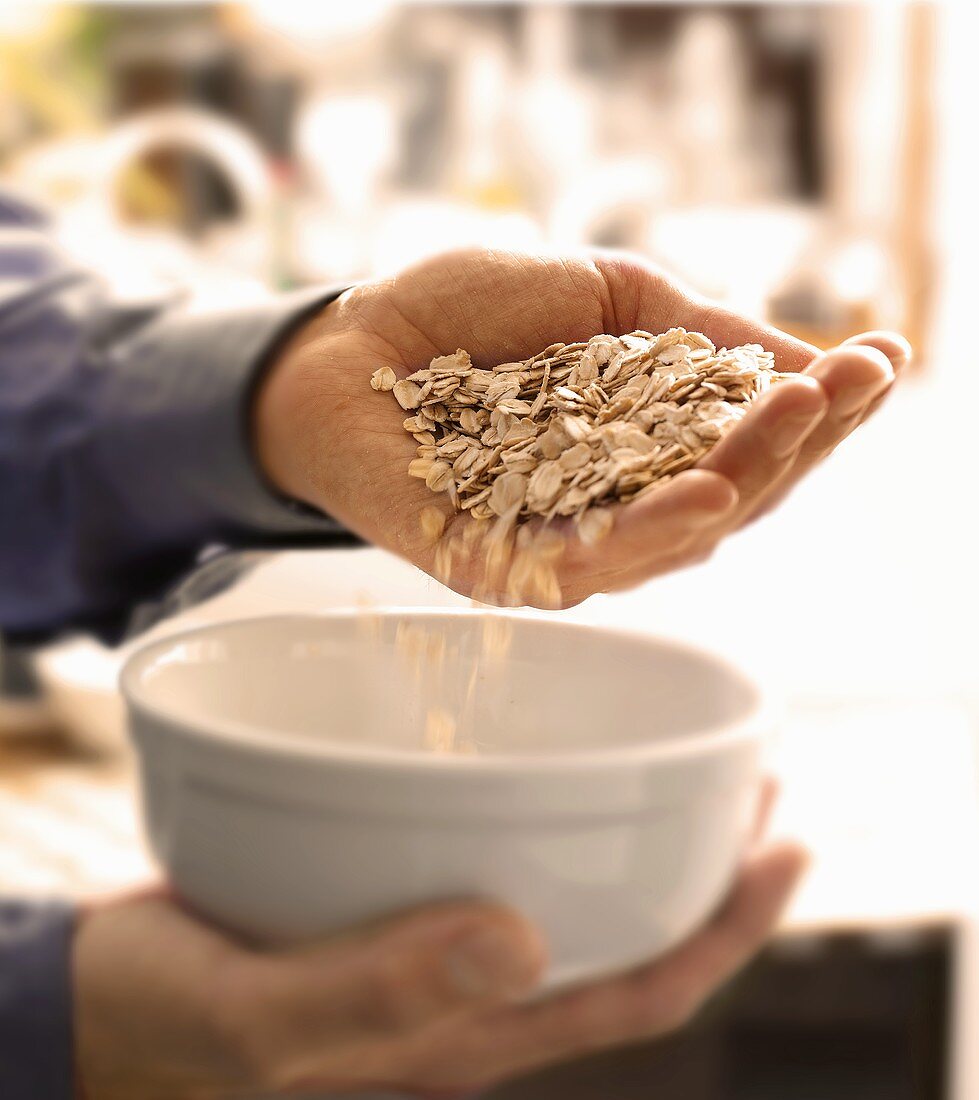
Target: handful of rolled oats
{"points": [[566, 433], [576, 427]]}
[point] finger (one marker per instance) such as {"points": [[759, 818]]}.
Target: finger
{"points": [[657, 526], [752, 456], [767, 797], [691, 553], [659, 997], [429, 963], [855, 378], [665, 995], [764, 445], [647, 531], [852, 376], [644, 297], [690, 497], [688, 552], [317, 1005], [729, 329], [895, 346], [897, 349]]}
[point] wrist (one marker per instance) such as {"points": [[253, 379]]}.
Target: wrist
{"points": [[281, 410]]}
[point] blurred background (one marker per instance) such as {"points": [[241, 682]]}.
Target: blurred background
{"points": [[779, 156], [813, 164]]}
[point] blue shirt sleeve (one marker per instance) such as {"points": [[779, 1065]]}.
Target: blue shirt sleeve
{"points": [[36, 1056], [124, 449], [124, 438]]}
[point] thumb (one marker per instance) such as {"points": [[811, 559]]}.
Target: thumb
{"points": [[400, 974]]}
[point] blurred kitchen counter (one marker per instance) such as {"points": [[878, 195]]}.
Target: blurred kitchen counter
{"points": [[68, 821]]}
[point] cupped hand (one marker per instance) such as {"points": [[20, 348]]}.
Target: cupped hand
{"points": [[433, 1003], [324, 437]]}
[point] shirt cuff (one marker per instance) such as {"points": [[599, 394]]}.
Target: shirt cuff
{"points": [[192, 377], [36, 1055]]}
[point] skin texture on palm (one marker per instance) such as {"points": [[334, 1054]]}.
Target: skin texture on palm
{"points": [[324, 437]]}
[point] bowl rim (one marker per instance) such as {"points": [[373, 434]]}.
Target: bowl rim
{"points": [[244, 738]]}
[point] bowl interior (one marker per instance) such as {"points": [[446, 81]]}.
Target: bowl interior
{"points": [[406, 680]]}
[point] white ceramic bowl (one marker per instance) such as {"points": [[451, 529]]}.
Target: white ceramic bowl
{"points": [[80, 677], [287, 792]]}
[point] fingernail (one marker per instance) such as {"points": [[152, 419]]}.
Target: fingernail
{"points": [[899, 357], [788, 436], [904, 356], [487, 963]]}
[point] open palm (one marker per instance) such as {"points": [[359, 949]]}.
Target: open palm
{"points": [[325, 437]]}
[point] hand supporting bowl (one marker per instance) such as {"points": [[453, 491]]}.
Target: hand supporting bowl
{"points": [[288, 793]]}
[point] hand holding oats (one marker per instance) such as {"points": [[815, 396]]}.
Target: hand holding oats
{"points": [[533, 429]]}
